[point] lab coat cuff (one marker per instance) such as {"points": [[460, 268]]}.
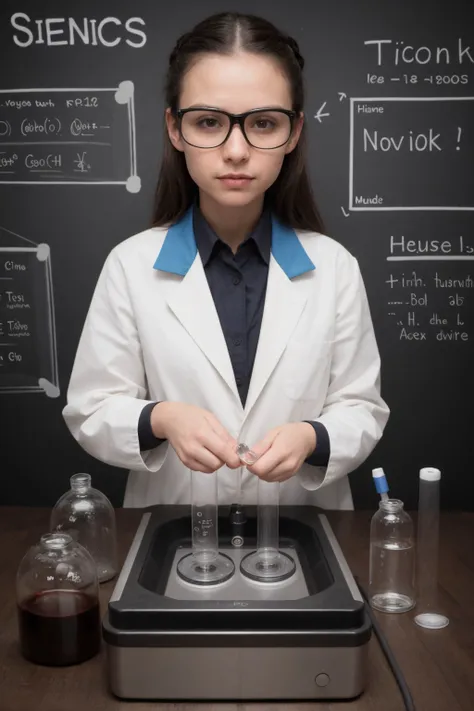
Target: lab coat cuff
{"points": [[319, 457], [146, 461], [312, 478], [146, 437], [111, 435]]}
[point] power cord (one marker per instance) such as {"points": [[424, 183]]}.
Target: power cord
{"points": [[397, 672]]}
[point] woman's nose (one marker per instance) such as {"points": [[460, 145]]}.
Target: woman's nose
{"points": [[236, 147]]}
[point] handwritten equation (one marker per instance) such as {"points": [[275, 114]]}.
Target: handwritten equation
{"points": [[69, 136], [430, 289]]}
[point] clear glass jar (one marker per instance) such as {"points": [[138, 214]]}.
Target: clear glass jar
{"points": [[89, 517], [57, 594], [392, 558]]}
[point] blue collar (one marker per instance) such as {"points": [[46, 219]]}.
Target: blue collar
{"points": [[179, 248]]}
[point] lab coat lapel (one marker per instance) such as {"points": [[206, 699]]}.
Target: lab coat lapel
{"points": [[190, 299], [284, 303]]}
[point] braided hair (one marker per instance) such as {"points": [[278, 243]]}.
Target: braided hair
{"points": [[293, 44]]}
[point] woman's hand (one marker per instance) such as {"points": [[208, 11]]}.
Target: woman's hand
{"points": [[198, 438], [282, 452]]}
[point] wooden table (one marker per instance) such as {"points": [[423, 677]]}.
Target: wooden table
{"points": [[438, 665]]}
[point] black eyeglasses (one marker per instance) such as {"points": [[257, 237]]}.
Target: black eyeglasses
{"points": [[209, 128]]}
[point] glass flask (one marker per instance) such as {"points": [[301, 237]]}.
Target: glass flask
{"points": [[392, 558], [89, 517], [57, 594]]}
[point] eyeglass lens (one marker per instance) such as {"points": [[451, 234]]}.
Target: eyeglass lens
{"points": [[208, 129]]}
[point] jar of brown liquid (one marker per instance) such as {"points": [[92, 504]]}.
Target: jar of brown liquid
{"points": [[58, 602]]}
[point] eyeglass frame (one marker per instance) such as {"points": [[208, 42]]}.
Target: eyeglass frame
{"points": [[235, 118]]}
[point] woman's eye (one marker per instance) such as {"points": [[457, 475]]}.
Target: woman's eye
{"points": [[264, 124], [208, 122]]}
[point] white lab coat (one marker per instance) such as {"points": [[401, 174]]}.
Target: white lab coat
{"points": [[153, 333]]}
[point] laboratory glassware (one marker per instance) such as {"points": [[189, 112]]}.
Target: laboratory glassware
{"points": [[268, 564], [205, 565], [58, 602], [88, 516], [427, 550], [392, 558]]}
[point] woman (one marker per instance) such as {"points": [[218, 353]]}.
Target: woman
{"points": [[233, 319]]}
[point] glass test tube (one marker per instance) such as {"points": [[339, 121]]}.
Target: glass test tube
{"points": [[268, 520], [205, 565], [237, 518], [266, 564], [427, 550]]}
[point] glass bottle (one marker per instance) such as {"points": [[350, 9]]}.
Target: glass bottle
{"points": [[57, 594], [89, 517], [392, 558]]}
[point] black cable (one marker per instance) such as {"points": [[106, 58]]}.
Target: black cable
{"points": [[397, 672]]}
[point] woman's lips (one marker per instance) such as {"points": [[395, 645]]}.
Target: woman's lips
{"points": [[235, 181]]}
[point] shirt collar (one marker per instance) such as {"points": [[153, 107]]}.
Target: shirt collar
{"points": [[179, 248], [206, 238]]}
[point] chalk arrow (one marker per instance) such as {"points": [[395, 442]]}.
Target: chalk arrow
{"points": [[346, 214], [319, 115], [342, 96]]}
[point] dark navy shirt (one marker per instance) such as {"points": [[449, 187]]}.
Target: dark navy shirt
{"points": [[238, 285]]}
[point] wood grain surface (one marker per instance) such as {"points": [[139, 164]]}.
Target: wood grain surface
{"points": [[438, 665]]}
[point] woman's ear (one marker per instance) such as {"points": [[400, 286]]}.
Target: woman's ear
{"points": [[296, 133], [173, 130]]}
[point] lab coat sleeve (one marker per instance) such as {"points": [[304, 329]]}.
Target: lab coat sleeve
{"points": [[107, 389], [354, 412]]}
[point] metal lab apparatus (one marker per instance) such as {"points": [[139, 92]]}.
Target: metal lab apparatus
{"points": [[303, 637]]}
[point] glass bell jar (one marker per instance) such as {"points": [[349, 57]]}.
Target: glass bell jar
{"points": [[87, 515]]}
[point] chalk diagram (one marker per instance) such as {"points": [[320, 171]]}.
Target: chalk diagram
{"points": [[408, 153], [28, 352], [69, 137], [424, 140]]}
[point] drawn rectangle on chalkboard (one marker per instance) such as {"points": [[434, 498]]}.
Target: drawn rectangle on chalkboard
{"points": [[411, 153], [28, 354], [68, 137]]}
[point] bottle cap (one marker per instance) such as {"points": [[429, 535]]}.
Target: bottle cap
{"points": [[246, 455], [380, 481], [432, 620], [430, 474]]}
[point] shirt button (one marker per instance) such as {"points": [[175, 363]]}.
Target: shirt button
{"points": [[236, 280], [238, 381], [237, 342]]}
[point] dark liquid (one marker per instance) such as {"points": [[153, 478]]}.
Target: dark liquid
{"points": [[59, 627]]}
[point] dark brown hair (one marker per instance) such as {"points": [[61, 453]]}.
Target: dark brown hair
{"points": [[290, 197]]}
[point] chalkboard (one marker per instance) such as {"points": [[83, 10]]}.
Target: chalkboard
{"points": [[390, 119], [69, 136], [28, 358]]}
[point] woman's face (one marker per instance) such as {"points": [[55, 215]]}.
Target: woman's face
{"points": [[235, 84]]}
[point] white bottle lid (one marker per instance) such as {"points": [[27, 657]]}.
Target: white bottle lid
{"points": [[430, 474], [432, 620], [378, 472]]}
